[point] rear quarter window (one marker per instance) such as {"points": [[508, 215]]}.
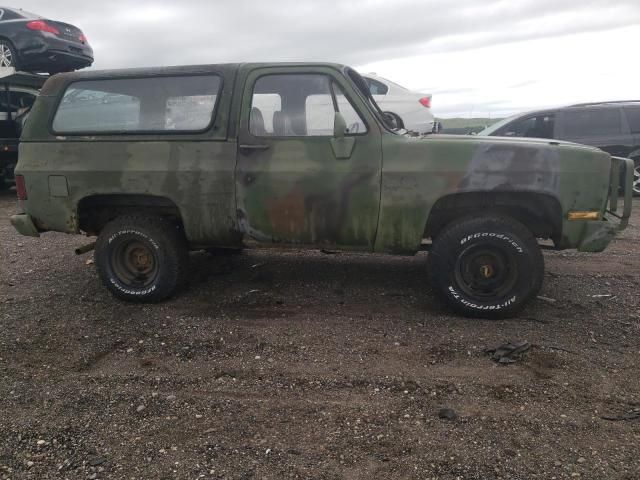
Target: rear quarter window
{"points": [[633, 117], [138, 105], [582, 123]]}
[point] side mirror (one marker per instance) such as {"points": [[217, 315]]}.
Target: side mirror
{"points": [[393, 120], [339, 126]]}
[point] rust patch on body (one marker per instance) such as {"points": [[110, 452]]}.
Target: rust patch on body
{"points": [[287, 214]]}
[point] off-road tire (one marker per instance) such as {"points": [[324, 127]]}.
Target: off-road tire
{"points": [[518, 268], [164, 240]]}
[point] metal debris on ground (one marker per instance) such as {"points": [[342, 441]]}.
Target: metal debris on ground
{"points": [[547, 299], [607, 296], [508, 352]]}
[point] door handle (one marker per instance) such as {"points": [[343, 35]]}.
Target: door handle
{"points": [[254, 146]]}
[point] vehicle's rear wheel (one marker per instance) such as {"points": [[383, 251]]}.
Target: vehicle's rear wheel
{"points": [[8, 55], [487, 266], [142, 258], [636, 177]]}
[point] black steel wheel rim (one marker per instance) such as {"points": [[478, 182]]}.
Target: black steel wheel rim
{"points": [[486, 271], [135, 263]]}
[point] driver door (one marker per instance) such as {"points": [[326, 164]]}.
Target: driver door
{"points": [[296, 182]]}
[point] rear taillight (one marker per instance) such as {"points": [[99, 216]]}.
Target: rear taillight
{"points": [[42, 26], [21, 189], [82, 38], [425, 101]]}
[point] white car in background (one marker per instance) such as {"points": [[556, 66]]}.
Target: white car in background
{"points": [[413, 108]]}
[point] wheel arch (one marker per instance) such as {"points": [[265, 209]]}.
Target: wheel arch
{"points": [[541, 213], [95, 211]]}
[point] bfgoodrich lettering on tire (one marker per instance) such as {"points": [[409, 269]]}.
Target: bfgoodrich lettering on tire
{"points": [[487, 266], [141, 258]]}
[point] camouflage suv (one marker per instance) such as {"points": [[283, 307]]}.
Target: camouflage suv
{"points": [[158, 162]]}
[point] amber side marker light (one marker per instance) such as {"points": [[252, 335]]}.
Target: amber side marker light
{"points": [[583, 216]]}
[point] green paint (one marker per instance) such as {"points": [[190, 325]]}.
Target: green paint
{"points": [[372, 191]]}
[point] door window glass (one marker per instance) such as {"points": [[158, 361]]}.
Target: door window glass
{"points": [[518, 128], [354, 121], [539, 126], [583, 122], [183, 103], [13, 101], [293, 105]]}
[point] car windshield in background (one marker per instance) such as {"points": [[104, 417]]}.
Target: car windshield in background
{"points": [[138, 105]]}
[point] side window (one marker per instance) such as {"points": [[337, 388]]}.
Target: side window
{"points": [[8, 15], [294, 105], [633, 117], [586, 122], [156, 104], [518, 128], [540, 126], [21, 100], [376, 87], [354, 122]]}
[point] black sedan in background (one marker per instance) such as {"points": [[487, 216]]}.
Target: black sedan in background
{"points": [[32, 43]]}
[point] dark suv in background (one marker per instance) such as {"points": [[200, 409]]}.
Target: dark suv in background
{"points": [[612, 126]]}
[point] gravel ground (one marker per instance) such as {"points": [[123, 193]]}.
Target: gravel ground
{"points": [[276, 365]]}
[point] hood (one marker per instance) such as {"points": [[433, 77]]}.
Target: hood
{"points": [[516, 141]]}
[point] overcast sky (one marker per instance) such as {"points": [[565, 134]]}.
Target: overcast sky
{"points": [[477, 57]]}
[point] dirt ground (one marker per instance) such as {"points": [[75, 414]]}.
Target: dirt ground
{"points": [[276, 365]]}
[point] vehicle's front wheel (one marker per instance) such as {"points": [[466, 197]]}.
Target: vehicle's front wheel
{"points": [[142, 258], [487, 266], [8, 55]]}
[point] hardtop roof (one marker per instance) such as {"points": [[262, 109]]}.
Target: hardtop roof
{"points": [[63, 79]]}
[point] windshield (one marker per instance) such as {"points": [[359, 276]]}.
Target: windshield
{"points": [[490, 130], [365, 92]]}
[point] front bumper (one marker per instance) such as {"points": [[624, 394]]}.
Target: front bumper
{"points": [[597, 235], [24, 225]]}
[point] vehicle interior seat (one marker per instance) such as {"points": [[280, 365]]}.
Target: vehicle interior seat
{"points": [[256, 123], [282, 126]]}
